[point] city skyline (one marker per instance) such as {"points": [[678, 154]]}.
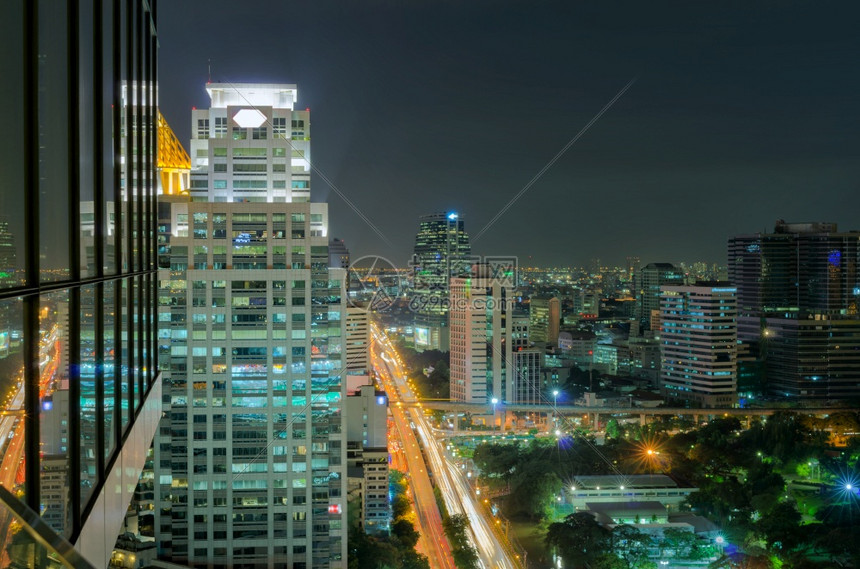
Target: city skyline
{"points": [[560, 285], [735, 115]]}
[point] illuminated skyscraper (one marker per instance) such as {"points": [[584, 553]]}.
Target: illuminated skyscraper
{"points": [[442, 251], [250, 461]]}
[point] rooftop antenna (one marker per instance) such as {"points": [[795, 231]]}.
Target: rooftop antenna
{"points": [[209, 67]]}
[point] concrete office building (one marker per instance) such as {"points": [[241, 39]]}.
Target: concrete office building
{"points": [[520, 331], [481, 321], [357, 346], [367, 456], [526, 377], [544, 319], [698, 344]]}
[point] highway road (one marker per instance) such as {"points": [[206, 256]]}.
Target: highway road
{"points": [[12, 424], [433, 542], [456, 491]]}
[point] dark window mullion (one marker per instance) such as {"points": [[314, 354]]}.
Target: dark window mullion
{"points": [[31, 255], [74, 342], [99, 208]]}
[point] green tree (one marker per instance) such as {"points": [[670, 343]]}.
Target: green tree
{"points": [[579, 539], [533, 491], [607, 561], [400, 507], [405, 533], [780, 529], [414, 560], [630, 545], [612, 430]]}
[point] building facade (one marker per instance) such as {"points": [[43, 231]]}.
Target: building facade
{"points": [[78, 283], [338, 254], [481, 319], [544, 319], [250, 459], [357, 346], [798, 294], [526, 377], [698, 344], [367, 457], [649, 281]]}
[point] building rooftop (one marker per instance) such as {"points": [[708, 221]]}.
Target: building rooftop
{"points": [[613, 509], [277, 95], [594, 482]]}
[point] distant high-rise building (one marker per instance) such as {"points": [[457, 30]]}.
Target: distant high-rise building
{"points": [[586, 304], [544, 319], [651, 278], [481, 345], [698, 343], [526, 377], [798, 294], [338, 255], [8, 257], [442, 251], [250, 462], [634, 264], [357, 346], [520, 331]]}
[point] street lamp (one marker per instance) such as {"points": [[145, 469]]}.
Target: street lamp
{"points": [[494, 401], [554, 406]]}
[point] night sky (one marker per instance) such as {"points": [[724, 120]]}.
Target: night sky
{"points": [[741, 113]]}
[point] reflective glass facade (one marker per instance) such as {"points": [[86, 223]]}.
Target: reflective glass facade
{"points": [[77, 251]]}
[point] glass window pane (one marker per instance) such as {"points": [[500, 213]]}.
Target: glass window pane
{"points": [[12, 225], [53, 105], [12, 393], [108, 134], [110, 368], [125, 145], [136, 343], [86, 117], [90, 376], [125, 352], [54, 465]]}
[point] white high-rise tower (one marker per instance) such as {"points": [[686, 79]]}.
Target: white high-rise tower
{"points": [[250, 459]]}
